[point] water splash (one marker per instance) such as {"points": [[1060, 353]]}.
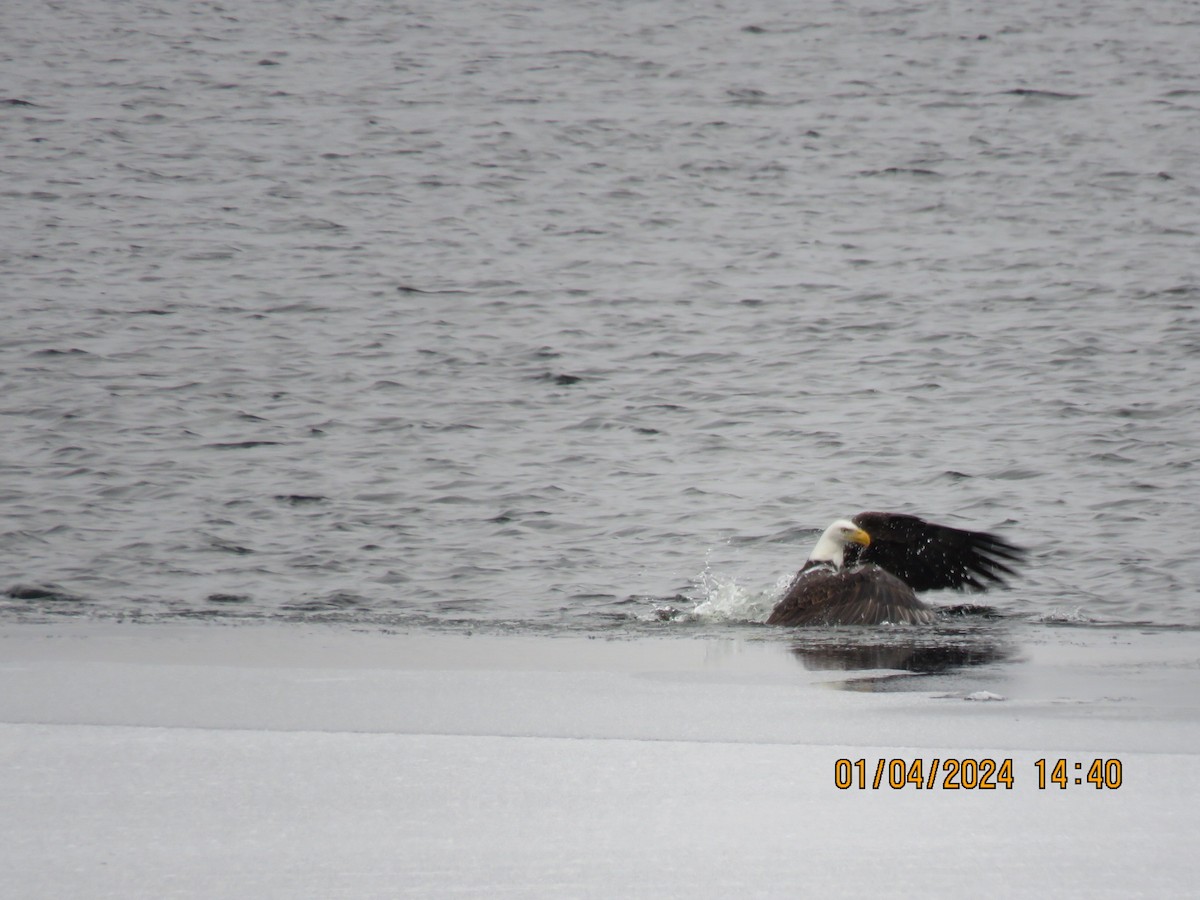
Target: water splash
{"points": [[723, 600], [1060, 616]]}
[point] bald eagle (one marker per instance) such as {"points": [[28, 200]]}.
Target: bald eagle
{"points": [[867, 570]]}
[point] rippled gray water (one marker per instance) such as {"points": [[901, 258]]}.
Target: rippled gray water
{"points": [[556, 313]]}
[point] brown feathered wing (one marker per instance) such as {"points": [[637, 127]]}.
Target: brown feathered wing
{"points": [[867, 595]]}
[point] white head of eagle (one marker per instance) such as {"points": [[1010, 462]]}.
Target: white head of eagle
{"points": [[831, 548]]}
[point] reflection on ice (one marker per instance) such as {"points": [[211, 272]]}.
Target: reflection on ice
{"points": [[919, 656], [904, 659]]}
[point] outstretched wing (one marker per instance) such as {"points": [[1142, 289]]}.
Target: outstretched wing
{"points": [[927, 556], [865, 596]]}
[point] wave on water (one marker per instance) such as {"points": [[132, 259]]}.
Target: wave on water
{"points": [[512, 352]]}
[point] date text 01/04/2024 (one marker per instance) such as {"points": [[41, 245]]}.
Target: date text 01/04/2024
{"points": [[972, 774]]}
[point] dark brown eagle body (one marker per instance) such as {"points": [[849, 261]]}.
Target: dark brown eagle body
{"points": [[864, 595], [867, 570]]}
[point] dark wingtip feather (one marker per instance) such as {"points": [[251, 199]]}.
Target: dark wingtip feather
{"points": [[930, 556], [993, 555]]}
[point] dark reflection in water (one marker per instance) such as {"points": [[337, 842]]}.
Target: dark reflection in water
{"points": [[903, 659]]}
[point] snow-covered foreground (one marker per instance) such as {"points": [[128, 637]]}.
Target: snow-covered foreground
{"points": [[145, 761]]}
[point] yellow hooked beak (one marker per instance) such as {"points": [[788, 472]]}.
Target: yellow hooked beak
{"points": [[859, 537]]}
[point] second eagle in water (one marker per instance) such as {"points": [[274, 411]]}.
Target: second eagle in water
{"points": [[867, 570]]}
